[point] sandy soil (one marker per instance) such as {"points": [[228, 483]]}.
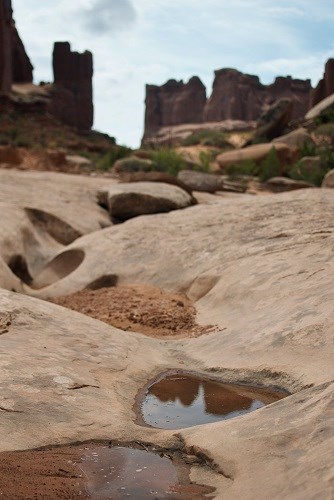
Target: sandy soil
{"points": [[43, 474], [138, 308]]}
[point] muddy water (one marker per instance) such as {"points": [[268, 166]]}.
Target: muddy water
{"points": [[182, 400], [120, 472], [97, 471]]}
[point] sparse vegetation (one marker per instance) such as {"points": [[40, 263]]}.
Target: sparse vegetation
{"points": [[168, 160], [108, 159], [215, 138], [302, 171]]}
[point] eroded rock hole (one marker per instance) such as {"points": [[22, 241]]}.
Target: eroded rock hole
{"points": [[58, 229], [97, 471], [106, 281], [18, 265], [181, 400], [59, 267]]}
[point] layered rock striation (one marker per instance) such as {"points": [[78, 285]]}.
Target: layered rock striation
{"points": [[235, 96]]}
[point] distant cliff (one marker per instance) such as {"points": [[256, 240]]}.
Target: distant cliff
{"points": [[235, 96], [71, 96], [325, 86], [15, 65]]}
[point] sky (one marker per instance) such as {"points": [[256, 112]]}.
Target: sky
{"points": [[135, 42]]}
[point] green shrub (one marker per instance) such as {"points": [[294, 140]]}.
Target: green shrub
{"points": [[205, 159], [270, 166], [247, 167], [326, 131], [168, 160], [109, 158], [299, 170], [214, 138]]}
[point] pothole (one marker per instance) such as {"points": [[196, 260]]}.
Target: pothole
{"points": [[58, 229], [59, 267], [18, 265], [138, 308], [178, 400], [98, 471]]}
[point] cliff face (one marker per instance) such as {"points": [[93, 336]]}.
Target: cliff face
{"points": [[71, 98], [174, 103], [72, 95], [235, 96], [6, 23], [325, 86], [21, 66]]}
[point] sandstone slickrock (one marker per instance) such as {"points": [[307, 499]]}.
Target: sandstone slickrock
{"points": [[72, 94], [325, 87], [259, 267], [256, 153], [328, 181], [201, 181], [127, 200]]}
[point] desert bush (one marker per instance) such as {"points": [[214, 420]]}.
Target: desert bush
{"points": [[299, 171], [215, 138], [168, 160], [109, 158], [247, 167], [326, 132], [270, 166]]}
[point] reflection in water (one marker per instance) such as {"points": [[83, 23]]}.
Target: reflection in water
{"points": [[184, 400], [119, 473]]}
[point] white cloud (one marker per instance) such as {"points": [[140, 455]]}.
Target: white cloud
{"points": [[149, 41]]}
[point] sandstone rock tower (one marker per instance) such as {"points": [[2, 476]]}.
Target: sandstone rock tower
{"points": [[6, 23], [72, 101]]}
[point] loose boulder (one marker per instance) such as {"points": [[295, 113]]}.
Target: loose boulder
{"points": [[131, 164], [256, 153], [322, 108], [200, 181], [328, 181], [274, 120], [295, 139], [128, 200], [155, 177], [280, 184]]}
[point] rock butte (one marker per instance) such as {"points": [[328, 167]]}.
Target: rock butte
{"points": [[260, 268]]}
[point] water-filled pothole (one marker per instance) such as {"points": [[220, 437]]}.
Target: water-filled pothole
{"points": [[120, 472], [177, 400], [98, 471]]}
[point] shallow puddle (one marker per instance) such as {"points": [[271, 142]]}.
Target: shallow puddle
{"points": [[183, 400], [98, 471], [120, 472]]}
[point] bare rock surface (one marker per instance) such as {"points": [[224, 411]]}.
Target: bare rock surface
{"points": [[259, 267], [256, 153], [127, 200], [279, 184], [321, 107], [295, 139], [201, 181], [328, 181]]}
